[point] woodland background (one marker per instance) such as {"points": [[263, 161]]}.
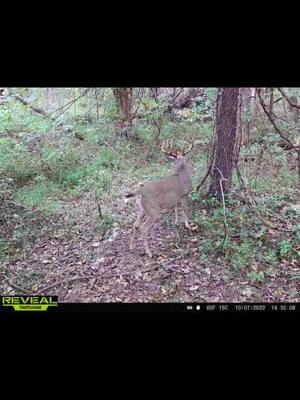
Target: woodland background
{"points": [[68, 155]]}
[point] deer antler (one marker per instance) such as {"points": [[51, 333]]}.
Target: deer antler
{"points": [[184, 153], [167, 149]]}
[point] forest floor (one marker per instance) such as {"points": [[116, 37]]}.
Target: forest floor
{"points": [[68, 256]]}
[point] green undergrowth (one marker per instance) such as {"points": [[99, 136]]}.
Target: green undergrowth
{"points": [[249, 247]]}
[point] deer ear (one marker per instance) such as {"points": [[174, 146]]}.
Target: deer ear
{"points": [[171, 158]]}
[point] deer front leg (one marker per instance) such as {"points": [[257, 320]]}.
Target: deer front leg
{"points": [[186, 213]]}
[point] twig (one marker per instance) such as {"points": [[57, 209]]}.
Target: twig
{"points": [[134, 114], [16, 286], [224, 207], [291, 103], [69, 103], [276, 101], [113, 149], [152, 145], [271, 119], [252, 205], [88, 277], [76, 278], [205, 177], [208, 171], [212, 159], [283, 119], [99, 207]]}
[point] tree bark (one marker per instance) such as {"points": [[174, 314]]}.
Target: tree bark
{"points": [[227, 124]]}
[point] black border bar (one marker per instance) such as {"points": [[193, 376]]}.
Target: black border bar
{"points": [[182, 308]]}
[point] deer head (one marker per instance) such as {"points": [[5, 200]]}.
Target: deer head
{"points": [[180, 166]]}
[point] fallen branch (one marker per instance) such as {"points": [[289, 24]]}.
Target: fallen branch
{"points": [[26, 103]]}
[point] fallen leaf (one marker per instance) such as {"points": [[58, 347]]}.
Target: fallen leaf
{"points": [[254, 268], [138, 275]]}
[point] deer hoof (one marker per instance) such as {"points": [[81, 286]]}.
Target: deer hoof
{"points": [[149, 254], [132, 247]]}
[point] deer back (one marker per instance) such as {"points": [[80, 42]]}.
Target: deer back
{"points": [[167, 192]]}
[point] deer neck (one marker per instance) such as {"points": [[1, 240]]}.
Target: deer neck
{"points": [[185, 181]]}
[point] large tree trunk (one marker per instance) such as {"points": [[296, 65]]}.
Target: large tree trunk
{"points": [[227, 124]]}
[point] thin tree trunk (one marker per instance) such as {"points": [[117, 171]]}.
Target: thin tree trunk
{"points": [[74, 97], [124, 98], [248, 109], [271, 99], [284, 109], [294, 110]]}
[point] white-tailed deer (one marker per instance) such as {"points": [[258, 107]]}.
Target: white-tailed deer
{"points": [[167, 193]]}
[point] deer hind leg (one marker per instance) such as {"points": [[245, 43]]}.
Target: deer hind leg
{"points": [[137, 225], [176, 215], [145, 231], [186, 214]]}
